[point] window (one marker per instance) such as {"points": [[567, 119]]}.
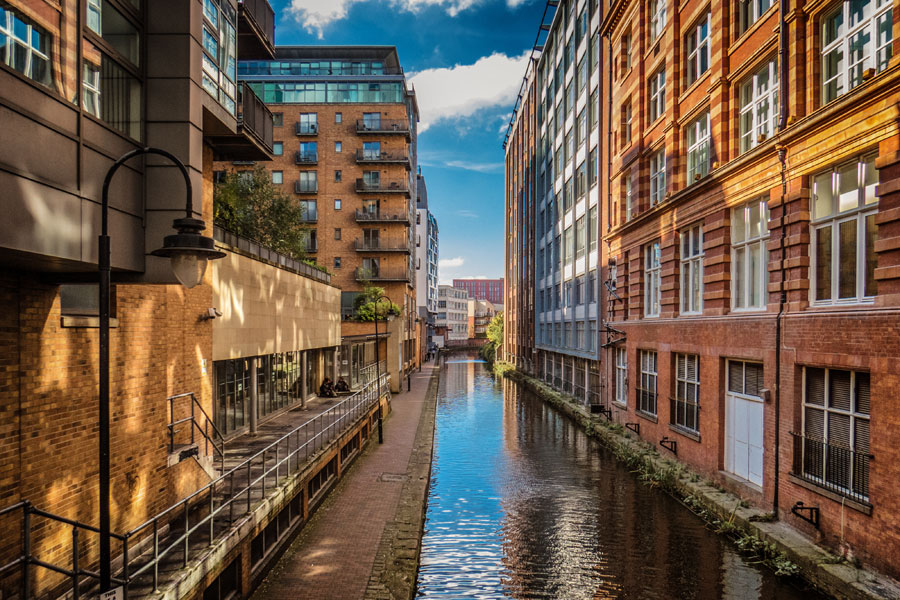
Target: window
{"points": [[570, 245], [685, 409], [308, 123], [308, 152], [338, 146], [844, 233], [337, 176], [646, 392], [657, 18], [338, 117], [594, 109], [337, 262], [751, 11], [581, 181], [277, 177], [626, 52], [698, 50], [629, 207], [219, 59], [579, 238], [337, 233], [625, 113], [595, 167], [698, 142], [278, 148], [581, 73], [593, 232], [581, 124], [759, 105], [337, 204], [621, 376], [309, 210], [277, 119], [307, 182], [657, 177], [658, 94], [371, 150], [651, 280], [749, 255], [834, 449], [692, 270], [91, 89], [856, 37]]}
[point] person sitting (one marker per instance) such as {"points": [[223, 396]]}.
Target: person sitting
{"points": [[326, 390], [341, 385]]}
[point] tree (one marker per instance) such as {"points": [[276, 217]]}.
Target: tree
{"points": [[248, 204], [495, 338], [364, 305]]}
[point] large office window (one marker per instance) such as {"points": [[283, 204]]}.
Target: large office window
{"points": [[699, 145], [856, 36], [646, 391], [658, 94], [657, 177], [749, 255], [652, 274], [621, 376], [834, 449], [759, 105], [698, 50], [685, 406], [844, 233], [692, 270]]}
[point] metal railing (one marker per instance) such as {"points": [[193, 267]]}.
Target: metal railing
{"points": [[834, 468], [258, 251], [255, 118], [394, 185], [306, 129], [374, 245], [368, 373], [364, 215], [364, 274], [684, 414], [306, 158], [211, 434], [364, 156], [382, 126], [262, 15], [306, 187]]}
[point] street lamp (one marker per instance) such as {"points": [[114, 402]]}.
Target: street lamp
{"points": [[189, 252], [378, 361]]}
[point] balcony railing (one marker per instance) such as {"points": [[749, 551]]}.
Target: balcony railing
{"points": [[307, 129], [396, 186], [306, 158], [365, 216], [379, 245], [312, 245], [306, 187], [837, 469], [363, 274], [364, 156], [258, 251], [256, 30], [685, 414], [382, 126], [254, 117]]}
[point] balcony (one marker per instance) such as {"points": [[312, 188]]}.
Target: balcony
{"points": [[382, 127], [385, 158], [254, 138], [833, 468], [393, 186], [385, 275], [306, 187], [256, 30], [380, 245], [312, 246], [306, 158], [364, 216], [306, 129]]}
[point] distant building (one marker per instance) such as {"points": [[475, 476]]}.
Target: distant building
{"points": [[482, 289], [453, 313], [426, 263], [480, 313]]}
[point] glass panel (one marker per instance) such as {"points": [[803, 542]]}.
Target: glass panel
{"points": [[823, 263], [755, 284], [738, 225], [848, 178], [822, 196], [815, 386], [119, 33], [740, 277], [870, 257], [847, 253], [871, 180]]}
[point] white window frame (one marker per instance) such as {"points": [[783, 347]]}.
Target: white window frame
{"points": [[658, 177], [657, 18], [751, 11], [698, 49], [691, 243], [649, 382], [652, 276], [621, 376], [7, 28], [866, 205], [876, 54], [699, 143], [687, 391], [658, 94], [91, 89], [745, 243], [759, 105]]}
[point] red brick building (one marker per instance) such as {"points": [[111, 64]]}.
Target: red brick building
{"points": [[482, 289]]}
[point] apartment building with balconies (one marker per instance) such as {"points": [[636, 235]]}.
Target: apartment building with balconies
{"points": [[452, 314], [345, 148], [426, 263], [753, 252]]}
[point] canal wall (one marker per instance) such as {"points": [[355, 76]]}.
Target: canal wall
{"points": [[785, 548]]}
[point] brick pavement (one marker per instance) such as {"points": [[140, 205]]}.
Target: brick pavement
{"points": [[334, 554]]}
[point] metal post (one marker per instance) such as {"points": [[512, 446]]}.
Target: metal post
{"points": [[155, 555], [187, 526], [254, 395], [75, 563]]}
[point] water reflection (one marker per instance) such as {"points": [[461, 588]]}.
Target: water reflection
{"points": [[523, 505]]}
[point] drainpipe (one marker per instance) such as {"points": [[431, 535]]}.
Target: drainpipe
{"points": [[782, 294], [609, 107]]}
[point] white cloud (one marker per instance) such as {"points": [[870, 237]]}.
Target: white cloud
{"points": [[451, 263], [468, 214], [463, 90], [438, 162], [315, 15]]}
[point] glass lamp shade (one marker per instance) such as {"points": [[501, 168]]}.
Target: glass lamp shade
{"points": [[189, 268]]}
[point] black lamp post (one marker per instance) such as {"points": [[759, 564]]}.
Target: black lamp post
{"points": [[190, 252], [378, 362]]}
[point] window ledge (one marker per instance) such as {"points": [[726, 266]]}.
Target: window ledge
{"points": [[645, 415], [693, 435], [843, 500], [687, 92], [73, 321], [620, 405]]}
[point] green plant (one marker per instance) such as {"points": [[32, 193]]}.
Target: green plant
{"points": [[367, 305]]}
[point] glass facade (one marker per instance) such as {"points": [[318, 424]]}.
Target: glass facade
{"points": [[291, 92]]}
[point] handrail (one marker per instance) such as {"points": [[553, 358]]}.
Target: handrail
{"points": [[218, 448]]}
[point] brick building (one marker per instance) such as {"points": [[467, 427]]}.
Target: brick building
{"points": [[482, 289], [345, 148], [749, 250]]}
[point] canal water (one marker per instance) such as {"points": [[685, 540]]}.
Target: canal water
{"points": [[523, 505]]}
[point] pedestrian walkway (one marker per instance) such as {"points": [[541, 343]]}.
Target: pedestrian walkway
{"points": [[335, 552]]}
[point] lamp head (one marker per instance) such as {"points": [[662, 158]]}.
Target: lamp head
{"points": [[189, 251]]}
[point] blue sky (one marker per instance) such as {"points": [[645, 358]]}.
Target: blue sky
{"points": [[466, 59]]}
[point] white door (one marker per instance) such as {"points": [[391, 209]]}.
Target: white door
{"points": [[744, 437]]}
